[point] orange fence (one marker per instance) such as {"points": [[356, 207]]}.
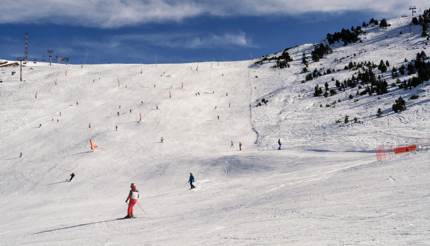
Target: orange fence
{"points": [[405, 149], [387, 152]]}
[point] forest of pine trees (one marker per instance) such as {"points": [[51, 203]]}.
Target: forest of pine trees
{"points": [[345, 35], [319, 51]]}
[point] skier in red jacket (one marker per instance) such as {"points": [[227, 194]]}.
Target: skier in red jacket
{"points": [[132, 198]]}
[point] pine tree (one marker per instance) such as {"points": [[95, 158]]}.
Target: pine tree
{"points": [[382, 67], [381, 87], [383, 23], [319, 51], [318, 91], [402, 70], [304, 60], [411, 69], [394, 73], [399, 105], [425, 27]]}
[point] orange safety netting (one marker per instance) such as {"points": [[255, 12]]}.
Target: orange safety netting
{"points": [[387, 152], [405, 149], [381, 153]]}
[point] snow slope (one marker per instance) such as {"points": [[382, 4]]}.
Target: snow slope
{"points": [[324, 188]]}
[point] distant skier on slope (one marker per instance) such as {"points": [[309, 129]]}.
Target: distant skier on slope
{"points": [[191, 181], [93, 145], [240, 146], [279, 144], [72, 175], [132, 198]]}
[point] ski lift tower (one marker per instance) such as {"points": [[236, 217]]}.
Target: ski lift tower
{"points": [[50, 52], [413, 10], [20, 59], [26, 46]]}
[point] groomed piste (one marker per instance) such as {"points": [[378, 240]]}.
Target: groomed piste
{"points": [[339, 177]]}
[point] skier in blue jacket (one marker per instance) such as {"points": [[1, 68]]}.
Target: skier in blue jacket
{"points": [[191, 181]]}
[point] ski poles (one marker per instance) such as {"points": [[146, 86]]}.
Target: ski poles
{"points": [[138, 205]]}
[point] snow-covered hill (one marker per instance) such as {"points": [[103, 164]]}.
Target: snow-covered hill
{"points": [[325, 187], [292, 103]]}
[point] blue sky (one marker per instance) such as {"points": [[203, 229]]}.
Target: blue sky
{"points": [[168, 31]]}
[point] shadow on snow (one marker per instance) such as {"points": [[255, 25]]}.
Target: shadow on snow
{"points": [[75, 226]]}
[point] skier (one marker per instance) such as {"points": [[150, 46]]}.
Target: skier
{"points": [[240, 146], [72, 175], [191, 181], [279, 144], [132, 198], [93, 145], [20, 154]]}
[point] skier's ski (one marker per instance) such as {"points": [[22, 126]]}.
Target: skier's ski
{"points": [[125, 218]]}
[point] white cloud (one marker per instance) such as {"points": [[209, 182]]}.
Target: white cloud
{"points": [[187, 40], [116, 13], [95, 13]]}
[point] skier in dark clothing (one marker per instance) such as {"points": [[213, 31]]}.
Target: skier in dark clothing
{"points": [[72, 175], [191, 181], [279, 144]]}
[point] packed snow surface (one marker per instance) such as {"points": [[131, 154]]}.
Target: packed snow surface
{"points": [[325, 187]]}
